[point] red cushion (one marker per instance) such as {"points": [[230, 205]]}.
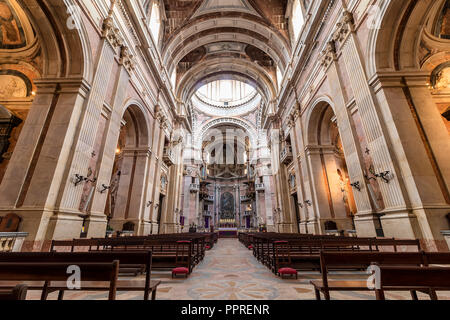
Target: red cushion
{"points": [[180, 270], [250, 247], [184, 241], [208, 247], [287, 271]]}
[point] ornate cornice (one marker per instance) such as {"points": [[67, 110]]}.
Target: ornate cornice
{"points": [[329, 55], [127, 59], [111, 33], [344, 27]]}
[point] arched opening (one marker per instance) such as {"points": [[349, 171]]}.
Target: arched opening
{"points": [[412, 38], [155, 21], [297, 19], [334, 196], [17, 75], [125, 206]]}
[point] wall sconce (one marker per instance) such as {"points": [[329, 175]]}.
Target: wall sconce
{"points": [[386, 176], [300, 205], [356, 185], [157, 206], [104, 188], [308, 203], [149, 203], [79, 179]]}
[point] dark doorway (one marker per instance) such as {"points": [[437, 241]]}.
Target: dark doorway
{"points": [[297, 211], [160, 208]]}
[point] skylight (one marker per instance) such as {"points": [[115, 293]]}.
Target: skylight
{"points": [[226, 91]]}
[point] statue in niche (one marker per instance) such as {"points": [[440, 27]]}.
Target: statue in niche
{"points": [[163, 182], [292, 181]]}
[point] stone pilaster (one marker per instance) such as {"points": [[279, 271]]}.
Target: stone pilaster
{"points": [[396, 208], [365, 219], [420, 139], [96, 222]]}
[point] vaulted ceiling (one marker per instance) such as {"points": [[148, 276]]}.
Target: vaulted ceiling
{"points": [[206, 40]]}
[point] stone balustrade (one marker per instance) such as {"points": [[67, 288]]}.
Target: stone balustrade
{"points": [[12, 241], [286, 156], [260, 187], [446, 234], [207, 214], [168, 157], [194, 188]]}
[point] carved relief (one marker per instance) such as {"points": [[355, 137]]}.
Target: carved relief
{"points": [[12, 87], [442, 80]]}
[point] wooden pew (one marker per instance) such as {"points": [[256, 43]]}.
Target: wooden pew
{"points": [[18, 293], [142, 258], [357, 260], [305, 254], [424, 279], [167, 254], [38, 276]]}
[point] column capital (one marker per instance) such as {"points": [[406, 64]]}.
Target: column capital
{"points": [[329, 55], [111, 33], [142, 152], [127, 59], [315, 149], [399, 79], [344, 27], [65, 85]]}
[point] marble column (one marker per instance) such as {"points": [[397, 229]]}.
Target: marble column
{"points": [[155, 178], [320, 200], [137, 195]]}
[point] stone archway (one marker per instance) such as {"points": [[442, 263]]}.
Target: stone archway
{"points": [[35, 184], [127, 193], [331, 186], [406, 52]]}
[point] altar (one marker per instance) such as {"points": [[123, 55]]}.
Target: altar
{"points": [[228, 228]]}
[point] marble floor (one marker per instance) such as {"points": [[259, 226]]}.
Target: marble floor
{"points": [[230, 272]]}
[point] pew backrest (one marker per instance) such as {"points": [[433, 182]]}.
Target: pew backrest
{"points": [[47, 272]]}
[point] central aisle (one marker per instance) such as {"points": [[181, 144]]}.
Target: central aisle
{"points": [[231, 272]]}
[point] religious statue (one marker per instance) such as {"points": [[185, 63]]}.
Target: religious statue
{"points": [[347, 195], [113, 191]]}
